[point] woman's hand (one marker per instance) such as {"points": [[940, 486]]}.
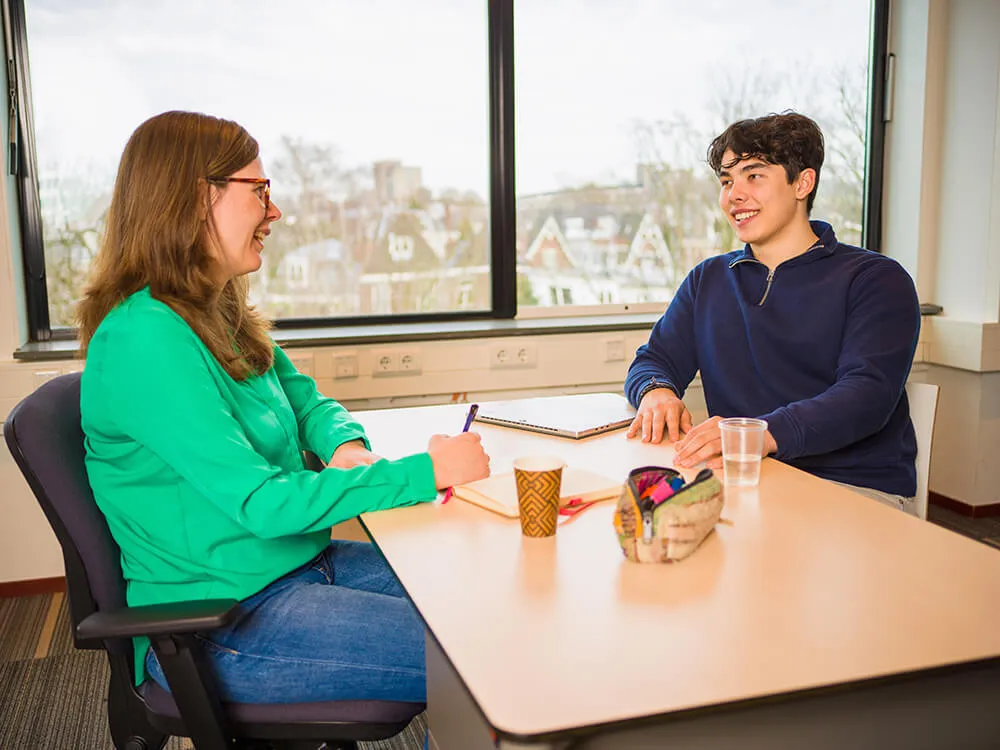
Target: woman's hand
{"points": [[458, 459], [349, 455]]}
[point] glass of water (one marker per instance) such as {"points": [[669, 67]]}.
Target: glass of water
{"points": [[742, 447]]}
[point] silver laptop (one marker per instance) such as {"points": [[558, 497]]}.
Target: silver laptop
{"points": [[577, 416]]}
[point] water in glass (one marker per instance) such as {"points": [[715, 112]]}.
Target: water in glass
{"points": [[742, 470]]}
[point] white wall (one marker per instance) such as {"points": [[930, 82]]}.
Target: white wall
{"points": [[970, 170], [942, 221], [910, 232]]}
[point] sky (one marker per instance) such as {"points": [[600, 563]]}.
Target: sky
{"points": [[383, 79]]}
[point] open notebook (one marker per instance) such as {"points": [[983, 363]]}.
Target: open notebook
{"points": [[498, 493], [576, 416]]}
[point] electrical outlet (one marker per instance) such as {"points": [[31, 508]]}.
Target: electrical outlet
{"points": [[396, 362], [345, 366], [614, 350], [513, 355], [385, 362], [409, 362]]}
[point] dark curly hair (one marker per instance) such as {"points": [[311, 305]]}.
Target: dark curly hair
{"points": [[789, 140]]}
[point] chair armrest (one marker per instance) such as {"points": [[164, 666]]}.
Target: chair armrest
{"points": [[159, 619]]}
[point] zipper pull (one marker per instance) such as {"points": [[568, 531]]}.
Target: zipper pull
{"points": [[767, 289], [647, 526]]}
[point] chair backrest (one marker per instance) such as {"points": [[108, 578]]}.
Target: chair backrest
{"points": [[923, 398], [45, 437]]}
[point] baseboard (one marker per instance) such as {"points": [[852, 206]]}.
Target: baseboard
{"points": [[963, 509], [32, 586]]}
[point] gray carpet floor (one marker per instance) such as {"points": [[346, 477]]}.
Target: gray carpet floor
{"points": [[986, 530], [58, 701]]}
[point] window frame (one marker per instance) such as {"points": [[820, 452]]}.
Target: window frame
{"points": [[23, 163]]}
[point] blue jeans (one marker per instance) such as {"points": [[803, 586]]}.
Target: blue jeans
{"points": [[338, 628]]}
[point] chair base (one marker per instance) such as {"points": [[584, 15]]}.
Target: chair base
{"points": [[295, 726], [293, 745], [128, 730]]}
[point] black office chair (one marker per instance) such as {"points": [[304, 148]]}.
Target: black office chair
{"points": [[44, 435]]}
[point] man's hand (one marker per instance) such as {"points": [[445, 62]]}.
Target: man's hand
{"points": [[704, 444], [659, 409], [349, 455]]}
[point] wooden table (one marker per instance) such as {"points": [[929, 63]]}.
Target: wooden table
{"points": [[818, 618]]}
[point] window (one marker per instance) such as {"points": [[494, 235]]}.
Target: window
{"points": [[387, 130], [372, 119], [617, 103]]}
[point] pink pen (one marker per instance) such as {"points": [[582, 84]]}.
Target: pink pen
{"points": [[661, 493]]}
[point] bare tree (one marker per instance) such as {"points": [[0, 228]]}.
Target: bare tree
{"points": [[842, 114], [68, 253], [737, 96], [74, 203], [312, 186], [672, 151], [679, 189]]}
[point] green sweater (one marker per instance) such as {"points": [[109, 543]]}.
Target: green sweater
{"points": [[201, 477]]}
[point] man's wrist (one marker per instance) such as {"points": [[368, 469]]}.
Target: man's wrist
{"points": [[770, 444], [652, 385]]}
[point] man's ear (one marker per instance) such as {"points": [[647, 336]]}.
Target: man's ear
{"points": [[805, 183]]}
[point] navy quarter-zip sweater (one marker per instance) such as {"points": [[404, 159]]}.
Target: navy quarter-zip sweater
{"points": [[820, 348]]}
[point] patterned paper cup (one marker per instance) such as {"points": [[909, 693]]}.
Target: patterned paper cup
{"points": [[538, 479]]}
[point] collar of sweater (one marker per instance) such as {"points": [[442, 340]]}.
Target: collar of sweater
{"points": [[825, 246]]}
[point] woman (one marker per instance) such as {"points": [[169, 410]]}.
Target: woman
{"points": [[195, 423]]}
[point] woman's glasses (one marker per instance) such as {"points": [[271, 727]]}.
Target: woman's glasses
{"points": [[265, 198]]}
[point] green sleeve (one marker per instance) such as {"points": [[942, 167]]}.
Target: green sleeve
{"points": [[324, 425], [163, 390]]}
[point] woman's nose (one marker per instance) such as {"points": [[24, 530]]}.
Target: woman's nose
{"points": [[273, 212]]}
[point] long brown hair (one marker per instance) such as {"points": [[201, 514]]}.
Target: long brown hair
{"points": [[158, 234]]}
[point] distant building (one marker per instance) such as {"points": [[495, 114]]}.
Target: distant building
{"points": [[418, 264], [396, 184], [315, 280], [405, 251], [599, 259]]}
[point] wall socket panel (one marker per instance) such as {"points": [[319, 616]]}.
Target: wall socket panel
{"points": [[345, 366], [303, 362], [390, 362], [513, 355], [614, 350]]}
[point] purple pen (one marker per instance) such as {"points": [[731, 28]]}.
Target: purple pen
{"points": [[473, 410]]}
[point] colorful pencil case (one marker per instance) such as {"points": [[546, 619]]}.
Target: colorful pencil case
{"points": [[661, 519]]}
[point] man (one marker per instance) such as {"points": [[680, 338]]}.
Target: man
{"points": [[812, 335]]}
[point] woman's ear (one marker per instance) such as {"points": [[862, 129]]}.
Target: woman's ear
{"points": [[206, 195]]}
